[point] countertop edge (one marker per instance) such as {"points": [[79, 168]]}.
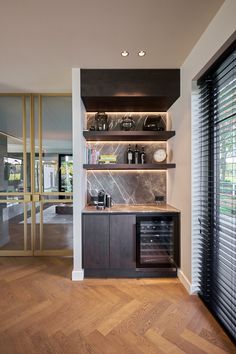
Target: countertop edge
{"points": [[123, 209]]}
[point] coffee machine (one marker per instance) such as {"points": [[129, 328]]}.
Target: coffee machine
{"points": [[101, 204], [103, 200]]}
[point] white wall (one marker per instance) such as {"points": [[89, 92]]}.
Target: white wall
{"points": [[217, 33], [78, 174]]}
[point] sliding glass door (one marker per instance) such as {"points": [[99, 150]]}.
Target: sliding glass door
{"points": [[36, 175], [217, 198], [15, 176], [53, 139]]}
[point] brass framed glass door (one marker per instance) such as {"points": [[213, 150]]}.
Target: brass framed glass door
{"points": [[15, 179], [53, 175], [35, 184]]}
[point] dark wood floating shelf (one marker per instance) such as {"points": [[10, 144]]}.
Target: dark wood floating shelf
{"points": [[147, 166], [117, 135]]}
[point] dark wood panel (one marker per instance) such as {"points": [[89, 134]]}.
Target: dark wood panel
{"points": [[128, 104], [113, 166], [128, 135], [122, 241], [96, 241], [129, 82], [129, 89], [131, 273]]}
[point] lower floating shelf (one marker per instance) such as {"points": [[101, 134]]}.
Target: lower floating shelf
{"points": [[147, 166]]}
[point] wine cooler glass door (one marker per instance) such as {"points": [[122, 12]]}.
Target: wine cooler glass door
{"points": [[155, 242]]}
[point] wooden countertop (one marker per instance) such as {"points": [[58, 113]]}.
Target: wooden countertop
{"points": [[132, 209]]}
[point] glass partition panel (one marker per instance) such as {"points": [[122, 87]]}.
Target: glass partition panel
{"points": [[56, 114], [54, 226], [36, 174], [14, 230], [11, 144]]}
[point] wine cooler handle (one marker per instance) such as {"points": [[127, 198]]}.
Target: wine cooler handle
{"points": [[135, 233]]}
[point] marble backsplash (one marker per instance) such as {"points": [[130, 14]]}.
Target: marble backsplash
{"points": [[114, 119], [127, 187]]}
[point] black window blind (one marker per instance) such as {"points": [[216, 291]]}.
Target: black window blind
{"points": [[217, 194]]}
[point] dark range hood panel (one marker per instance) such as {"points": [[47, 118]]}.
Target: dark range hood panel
{"points": [[128, 90]]}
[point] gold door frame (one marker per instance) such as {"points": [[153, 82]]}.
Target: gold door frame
{"points": [[26, 196], [33, 196]]}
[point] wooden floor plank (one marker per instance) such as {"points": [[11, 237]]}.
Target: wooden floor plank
{"points": [[143, 343], [107, 345], [201, 342], [118, 316], [43, 311], [162, 343]]}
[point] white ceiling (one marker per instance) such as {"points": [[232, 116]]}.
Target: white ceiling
{"points": [[42, 40]]}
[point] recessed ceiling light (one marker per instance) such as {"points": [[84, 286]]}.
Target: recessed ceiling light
{"points": [[142, 53], [124, 53]]}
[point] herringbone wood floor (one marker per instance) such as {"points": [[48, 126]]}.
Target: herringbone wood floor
{"points": [[43, 311]]}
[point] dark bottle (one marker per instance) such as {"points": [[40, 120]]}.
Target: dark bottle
{"points": [[136, 155], [129, 155], [142, 156]]}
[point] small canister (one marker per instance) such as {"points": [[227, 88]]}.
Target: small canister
{"points": [[108, 201]]}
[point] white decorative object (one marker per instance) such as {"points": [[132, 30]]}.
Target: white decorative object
{"points": [[160, 155]]}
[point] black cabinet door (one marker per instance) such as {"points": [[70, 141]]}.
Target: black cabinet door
{"points": [[96, 241], [122, 242]]}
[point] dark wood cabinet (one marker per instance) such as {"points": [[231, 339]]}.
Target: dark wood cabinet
{"points": [[111, 245], [96, 241], [129, 90], [109, 241], [122, 241]]}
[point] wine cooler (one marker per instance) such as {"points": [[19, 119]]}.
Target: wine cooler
{"points": [[157, 241]]}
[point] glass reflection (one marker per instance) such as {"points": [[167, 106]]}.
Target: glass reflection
{"points": [[56, 228], [12, 144], [57, 144], [14, 232], [53, 220], [65, 173]]}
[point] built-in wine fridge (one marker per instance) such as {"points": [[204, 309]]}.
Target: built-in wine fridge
{"points": [[157, 244]]}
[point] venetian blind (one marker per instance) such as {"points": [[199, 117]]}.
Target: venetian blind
{"points": [[216, 203]]}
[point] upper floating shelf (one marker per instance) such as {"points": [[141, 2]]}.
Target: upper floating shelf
{"points": [[133, 135], [113, 166]]}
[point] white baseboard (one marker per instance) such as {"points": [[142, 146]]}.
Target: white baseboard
{"points": [[194, 290], [77, 275], [186, 283]]}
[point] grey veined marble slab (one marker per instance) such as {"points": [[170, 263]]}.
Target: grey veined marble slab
{"points": [[114, 119], [127, 187]]}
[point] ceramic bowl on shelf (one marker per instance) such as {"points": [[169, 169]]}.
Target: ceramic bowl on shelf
{"points": [[127, 124]]}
